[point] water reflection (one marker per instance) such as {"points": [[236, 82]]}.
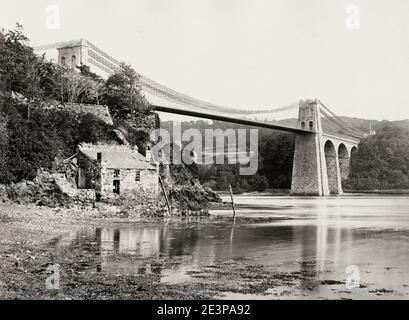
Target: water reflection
{"points": [[205, 244], [324, 238]]}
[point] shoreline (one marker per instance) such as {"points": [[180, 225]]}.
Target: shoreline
{"points": [[278, 193]]}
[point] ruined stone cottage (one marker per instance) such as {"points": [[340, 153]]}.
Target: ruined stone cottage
{"points": [[113, 170]]}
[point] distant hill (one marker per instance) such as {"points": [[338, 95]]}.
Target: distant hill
{"points": [[382, 160], [276, 151]]}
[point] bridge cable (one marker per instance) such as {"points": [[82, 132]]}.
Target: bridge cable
{"points": [[357, 131], [331, 120], [156, 88]]}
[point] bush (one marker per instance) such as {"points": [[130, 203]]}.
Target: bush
{"points": [[35, 142], [381, 161]]}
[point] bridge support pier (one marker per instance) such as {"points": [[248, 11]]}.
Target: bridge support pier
{"points": [[321, 160], [316, 170], [333, 170], [309, 172]]}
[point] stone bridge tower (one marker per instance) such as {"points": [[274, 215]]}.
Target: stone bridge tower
{"points": [[321, 160], [73, 55], [309, 167], [82, 52]]}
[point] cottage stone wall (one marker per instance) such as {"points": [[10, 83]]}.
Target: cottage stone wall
{"points": [[99, 177], [84, 196], [91, 172], [148, 183]]}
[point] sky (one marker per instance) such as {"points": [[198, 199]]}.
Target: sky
{"points": [[353, 55]]}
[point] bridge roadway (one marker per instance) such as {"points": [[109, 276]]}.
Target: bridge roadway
{"points": [[213, 115]]}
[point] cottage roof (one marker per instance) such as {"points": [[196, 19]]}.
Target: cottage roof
{"points": [[117, 157]]}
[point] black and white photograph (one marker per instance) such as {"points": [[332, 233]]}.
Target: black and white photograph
{"points": [[201, 150]]}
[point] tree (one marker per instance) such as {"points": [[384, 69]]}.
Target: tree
{"points": [[2, 71], [19, 65], [4, 143], [382, 160], [30, 144], [262, 183], [123, 94], [276, 156], [74, 87], [245, 185], [86, 71]]}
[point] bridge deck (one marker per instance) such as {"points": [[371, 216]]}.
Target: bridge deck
{"points": [[226, 118]]}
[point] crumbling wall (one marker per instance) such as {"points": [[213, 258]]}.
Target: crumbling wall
{"points": [[101, 112], [78, 196], [91, 171]]}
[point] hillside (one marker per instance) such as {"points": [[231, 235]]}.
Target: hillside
{"points": [[47, 110], [275, 157], [382, 160]]}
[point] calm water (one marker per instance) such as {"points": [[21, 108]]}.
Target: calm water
{"points": [[371, 232]]}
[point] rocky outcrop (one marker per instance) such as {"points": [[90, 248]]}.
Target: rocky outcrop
{"points": [[84, 197], [184, 190], [42, 191], [51, 190]]}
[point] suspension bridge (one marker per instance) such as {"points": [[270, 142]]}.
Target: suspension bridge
{"points": [[324, 141]]}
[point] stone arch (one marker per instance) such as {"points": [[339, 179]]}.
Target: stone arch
{"points": [[63, 61], [311, 125], [302, 125], [73, 61], [344, 161], [352, 151], [331, 161]]}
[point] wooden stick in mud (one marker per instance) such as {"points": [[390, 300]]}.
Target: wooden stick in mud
{"points": [[164, 192], [232, 201]]}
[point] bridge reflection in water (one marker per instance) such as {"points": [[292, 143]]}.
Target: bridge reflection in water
{"points": [[305, 248], [323, 238]]}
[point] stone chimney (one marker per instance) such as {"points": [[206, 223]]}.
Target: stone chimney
{"points": [[148, 153]]}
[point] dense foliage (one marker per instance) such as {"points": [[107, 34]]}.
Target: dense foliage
{"points": [[20, 68], [23, 72], [36, 142], [122, 94], [275, 159], [382, 160], [32, 136], [4, 143]]}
